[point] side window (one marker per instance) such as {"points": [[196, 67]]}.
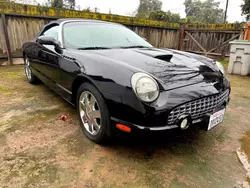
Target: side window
{"points": [[52, 32]]}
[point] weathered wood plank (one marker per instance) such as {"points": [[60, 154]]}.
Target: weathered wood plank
{"points": [[208, 40], [22, 29], [214, 27], [224, 43], [182, 35], [213, 31], [195, 41], [207, 53], [6, 36]]}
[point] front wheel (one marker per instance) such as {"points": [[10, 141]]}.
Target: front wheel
{"points": [[93, 113], [32, 79]]}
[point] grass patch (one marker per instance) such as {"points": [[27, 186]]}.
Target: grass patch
{"points": [[3, 89], [224, 62], [176, 183], [3, 140], [17, 122], [15, 68], [36, 168], [42, 114], [11, 75], [42, 172]]}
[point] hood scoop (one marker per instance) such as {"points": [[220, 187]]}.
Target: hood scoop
{"points": [[167, 57], [157, 53]]}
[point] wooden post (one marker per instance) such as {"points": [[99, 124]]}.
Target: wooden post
{"points": [[182, 35], [225, 17], [6, 37]]}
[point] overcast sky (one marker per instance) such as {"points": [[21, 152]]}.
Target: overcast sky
{"points": [[127, 7]]}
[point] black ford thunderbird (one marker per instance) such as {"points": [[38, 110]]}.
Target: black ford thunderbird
{"points": [[118, 81]]}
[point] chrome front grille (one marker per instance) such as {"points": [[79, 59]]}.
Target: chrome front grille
{"points": [[198, 107]]}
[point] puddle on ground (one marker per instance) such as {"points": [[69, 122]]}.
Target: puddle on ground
{"points": [[244, 153]]}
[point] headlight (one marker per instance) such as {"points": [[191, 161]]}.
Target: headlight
{"points": [[220, 66], [145, 87]]}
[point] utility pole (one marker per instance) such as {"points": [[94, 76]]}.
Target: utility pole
{"points": [[225, 17]]}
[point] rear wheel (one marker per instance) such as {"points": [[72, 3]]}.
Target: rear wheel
{"points": [[93, 113], [32, 79]]}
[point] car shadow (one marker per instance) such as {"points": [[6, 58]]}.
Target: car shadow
{"points": [[147, 143]]}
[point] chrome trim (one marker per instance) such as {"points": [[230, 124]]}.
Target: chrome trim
{"points": [[200, 107], [157, 128], [90, 113], [27, 68], [63, 88]]}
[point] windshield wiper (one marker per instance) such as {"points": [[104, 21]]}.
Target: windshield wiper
{"points": [[93, 48], [138, 46]]}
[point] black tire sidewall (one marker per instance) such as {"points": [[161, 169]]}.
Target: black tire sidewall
{"points": [[105, 119]]}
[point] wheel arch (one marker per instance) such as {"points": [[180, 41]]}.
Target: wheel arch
{"points": [[78, 81], [24, 54]]}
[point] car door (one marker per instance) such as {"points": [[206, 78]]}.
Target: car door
{"points": [[48, 59]]}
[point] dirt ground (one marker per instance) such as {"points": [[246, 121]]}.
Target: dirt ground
{"points": [[37, 149]]}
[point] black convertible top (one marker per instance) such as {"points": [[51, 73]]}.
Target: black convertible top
{"points": [[79, 19], [57, 22]]}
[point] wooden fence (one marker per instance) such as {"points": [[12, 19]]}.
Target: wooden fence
{"points": [[20, 23], [210, 39]]}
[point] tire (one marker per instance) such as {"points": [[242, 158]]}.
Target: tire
{"points": [[85, 97], [31, 78]]}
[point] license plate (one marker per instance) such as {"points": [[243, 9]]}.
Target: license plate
{"points": [[216, 119]]}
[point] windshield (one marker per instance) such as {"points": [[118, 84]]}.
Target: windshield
{"points": [[80, 35]]}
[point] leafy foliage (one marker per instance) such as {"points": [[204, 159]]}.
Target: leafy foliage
{"points": [[197, 11], [69, 4], [245, 7], [57, 4], [165, 16], [87, 9], [148, 6], [190, 20], [207, 12]]}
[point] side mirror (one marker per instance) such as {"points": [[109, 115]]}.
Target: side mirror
{"points": [[145, 39], [46, 40]]}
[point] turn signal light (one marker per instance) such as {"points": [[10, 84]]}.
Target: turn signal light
{"points": [[123, 128]]}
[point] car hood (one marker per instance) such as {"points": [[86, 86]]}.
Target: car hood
{"points": [[171, 68]]}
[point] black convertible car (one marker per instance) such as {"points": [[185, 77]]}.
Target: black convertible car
{"points": [[118, 81]]}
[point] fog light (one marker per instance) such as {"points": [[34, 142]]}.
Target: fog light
{"points": [[184, 121], [184, 124]]}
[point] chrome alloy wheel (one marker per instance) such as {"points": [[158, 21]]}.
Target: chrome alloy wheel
{"points": [[27, 68], [90, 113]]}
